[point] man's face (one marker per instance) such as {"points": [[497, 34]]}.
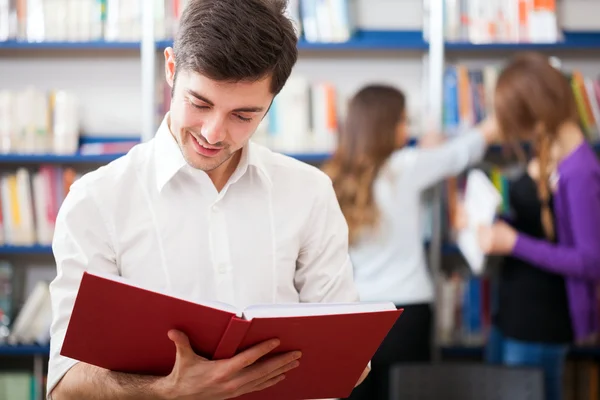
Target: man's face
{"points": [[212, 120]]}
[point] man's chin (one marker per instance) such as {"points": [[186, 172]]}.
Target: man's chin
{"points": [[206, 164]]}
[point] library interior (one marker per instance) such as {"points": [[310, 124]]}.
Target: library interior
{"points": [[415, 172]]}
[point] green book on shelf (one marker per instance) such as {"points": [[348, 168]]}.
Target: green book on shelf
{"points": [[15, 385]]}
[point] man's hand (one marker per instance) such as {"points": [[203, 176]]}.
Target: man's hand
{"points": [[498, 239], [194, 377], [363, 376]]}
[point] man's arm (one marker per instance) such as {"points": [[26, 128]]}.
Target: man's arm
{"points": [[81, 243], [324, 270], [85, 381]]}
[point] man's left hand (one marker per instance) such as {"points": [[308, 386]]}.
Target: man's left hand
{"points": [[363, 376]]}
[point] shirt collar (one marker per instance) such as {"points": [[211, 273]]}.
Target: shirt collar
{"points": [[169, 160]]}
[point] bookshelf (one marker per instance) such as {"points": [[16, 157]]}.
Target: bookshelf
{"points": [[572, 41], [87, 45], [22, 350]]}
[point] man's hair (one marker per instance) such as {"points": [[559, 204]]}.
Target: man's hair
{"points": [[237, 40]]}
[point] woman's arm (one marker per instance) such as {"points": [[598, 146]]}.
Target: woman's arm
{"points": [[427, 166], [582, 259]]}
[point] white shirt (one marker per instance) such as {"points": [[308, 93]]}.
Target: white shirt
{"points": [[274, 234], [389, 260]]}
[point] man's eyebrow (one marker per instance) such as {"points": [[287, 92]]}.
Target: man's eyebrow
{"points": [[249, 109], [241, 109], [200, 97]]}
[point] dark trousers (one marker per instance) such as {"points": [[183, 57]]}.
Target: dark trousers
{"points": [[409, 340]]}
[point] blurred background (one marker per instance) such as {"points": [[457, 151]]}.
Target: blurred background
{"points": [[81, 82]]}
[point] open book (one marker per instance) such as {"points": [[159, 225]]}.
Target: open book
{"points": [[481, 204], [121, 326]]}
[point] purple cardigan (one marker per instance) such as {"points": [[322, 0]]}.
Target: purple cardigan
{"points": [[576, 256]]}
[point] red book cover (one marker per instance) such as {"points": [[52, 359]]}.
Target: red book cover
{"points": [[122, 327]]}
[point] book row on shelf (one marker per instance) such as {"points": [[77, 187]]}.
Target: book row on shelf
{"points": [[29, 203], [507, 21], [468, 96], [38, 122], [35, 121], [121, 20]]}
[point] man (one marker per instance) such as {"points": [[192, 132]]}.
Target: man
{"points": [[202, 212]]}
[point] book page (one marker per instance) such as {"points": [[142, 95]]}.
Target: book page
{"points": [[481, 202], [213, 304], [313, 309]]}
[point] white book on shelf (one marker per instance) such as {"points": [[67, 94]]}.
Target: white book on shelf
{"points": [[32, 324], [25, 226], [35, 21], [323, 14], [7, 216], [309, 20], [481, 203], [291, 121], [7, 121], [41, 200], [343, 19]]}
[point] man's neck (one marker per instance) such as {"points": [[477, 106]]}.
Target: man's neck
{"points": [[220, 175]]}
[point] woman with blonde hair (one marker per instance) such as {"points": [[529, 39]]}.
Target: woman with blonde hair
{"points": [[379, 182], [534, 101]]}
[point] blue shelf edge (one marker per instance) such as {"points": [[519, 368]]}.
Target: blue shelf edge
{"points": [[584, 40], [24, 350], [65, 45], [361, 40], [35, 249]]}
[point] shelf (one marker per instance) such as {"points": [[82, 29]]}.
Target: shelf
{"points": [[572, 41], [373, 40], [57, 159], [310, 157], [362, 40], [35, 249], [93, 45], [24, 350]]}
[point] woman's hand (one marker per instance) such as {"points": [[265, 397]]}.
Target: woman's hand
{"points": [[497, 239]]}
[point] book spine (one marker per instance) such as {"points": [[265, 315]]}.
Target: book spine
{"points": [[231, 339]]}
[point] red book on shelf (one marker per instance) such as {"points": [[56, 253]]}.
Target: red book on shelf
{"points": [[123, 327]]}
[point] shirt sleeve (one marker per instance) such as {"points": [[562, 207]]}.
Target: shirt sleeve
{"points": [[80, 243], [324, 270], [425, 167], [582, 259]]}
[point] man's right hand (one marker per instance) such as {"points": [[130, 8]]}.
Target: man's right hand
{"points": [[194, 377]]}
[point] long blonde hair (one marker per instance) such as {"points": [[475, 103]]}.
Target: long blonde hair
{"points": [[366, 140], [532, 100]]}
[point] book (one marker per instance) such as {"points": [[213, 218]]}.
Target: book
{"points": [[121, 326], [481, 204]]}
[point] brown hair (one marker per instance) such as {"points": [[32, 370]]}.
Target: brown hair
{"points": [[532, 101], [366, 140], [237, 40]]}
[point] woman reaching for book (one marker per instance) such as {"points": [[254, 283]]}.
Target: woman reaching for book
{"points": [[379, 183], [534, 101]]}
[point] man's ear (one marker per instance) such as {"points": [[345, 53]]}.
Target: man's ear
{"points": [[170, 66]]}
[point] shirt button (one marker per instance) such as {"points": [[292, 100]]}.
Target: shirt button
{"points": [[215, 208], [222, 268]]}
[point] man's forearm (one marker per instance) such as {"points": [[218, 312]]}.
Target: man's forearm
{"points": [[86, 382]]}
